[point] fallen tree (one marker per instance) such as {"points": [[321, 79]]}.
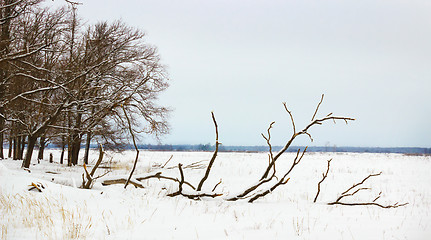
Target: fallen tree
{"points": [[270, 179]]}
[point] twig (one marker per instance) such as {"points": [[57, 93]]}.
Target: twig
{"points": [[216, 185], [317, 108], [164, 165]]}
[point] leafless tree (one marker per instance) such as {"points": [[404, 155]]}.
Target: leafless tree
{"points": [[69, 82]]}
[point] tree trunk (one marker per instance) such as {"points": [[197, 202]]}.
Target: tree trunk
{"points": [[5, 40], [42, 142], [30, 146], [1, 138], [63, 144], [76, 146], [87, 147], [22, 147], [15, 148], [76, 137], [9, 155], [69, 151]]}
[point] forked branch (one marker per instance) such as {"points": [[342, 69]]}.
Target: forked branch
{"points": [[354, 189], [302, 132], [195, 195], [88, 181]]}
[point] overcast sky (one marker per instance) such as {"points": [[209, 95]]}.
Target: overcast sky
{"points": [[242, 59]]}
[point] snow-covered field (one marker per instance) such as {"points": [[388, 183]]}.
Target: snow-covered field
{"points": [[64, 211]]}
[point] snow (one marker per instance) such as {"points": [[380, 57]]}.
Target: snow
{"points": [[64, 211]]}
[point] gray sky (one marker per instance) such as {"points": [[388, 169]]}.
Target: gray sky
{"points": [[242, 59]]}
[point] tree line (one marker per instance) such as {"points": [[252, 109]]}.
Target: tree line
{"points": [[68, 83]]}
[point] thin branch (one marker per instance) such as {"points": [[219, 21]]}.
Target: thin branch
{"points": [[213, 157], [215, 187], [291, 117], [164, 165], [324, 175], [317, 108], [90, 179], [159, 176], [362, 182], [134, 144], [180, 182], [368, 204], [347, 194]]}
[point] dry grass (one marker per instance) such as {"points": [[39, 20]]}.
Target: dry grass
{"points": [[46, 216]]}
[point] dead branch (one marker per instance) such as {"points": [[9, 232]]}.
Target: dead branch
{"points": [[215, 187], [194, 165], [180, 182], [346, 193], [302, 132], [324, 175], [264, 193], [87, 184], [36, 186], [317, 108], [268, 141], [207, 173], [196, 195], [137, 184], [159, 176], [349, 192], [282, 180], [164, 165], [129, 124], [369, 204]]}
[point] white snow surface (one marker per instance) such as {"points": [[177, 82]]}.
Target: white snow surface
{"points": [[64, 211]]}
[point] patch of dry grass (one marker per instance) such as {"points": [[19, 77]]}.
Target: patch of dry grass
{"points": [[46, 216]]}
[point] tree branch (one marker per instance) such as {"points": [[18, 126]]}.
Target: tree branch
{"points": [[324, 175], [207, 172]]}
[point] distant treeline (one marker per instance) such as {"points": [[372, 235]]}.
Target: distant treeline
{"points": [[222, 148]]}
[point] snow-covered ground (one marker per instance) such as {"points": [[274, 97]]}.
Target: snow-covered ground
{"points": [[64, 211]]}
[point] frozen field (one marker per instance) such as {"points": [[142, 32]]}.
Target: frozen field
{"points": [[64, 211]]}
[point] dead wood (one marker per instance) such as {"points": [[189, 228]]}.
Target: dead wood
{"points": [[129, 124], [193, 165], [266, 177], [87, 184], [324, 175], [180, 182], [137, 184], [282, 180], [36, 186], [369, 204], [159, 176], [164, 165], [355, 189], [207, 172], [304, 131], [196, 195]]}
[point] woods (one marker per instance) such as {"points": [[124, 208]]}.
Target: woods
{"points": [[67, 83]]}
